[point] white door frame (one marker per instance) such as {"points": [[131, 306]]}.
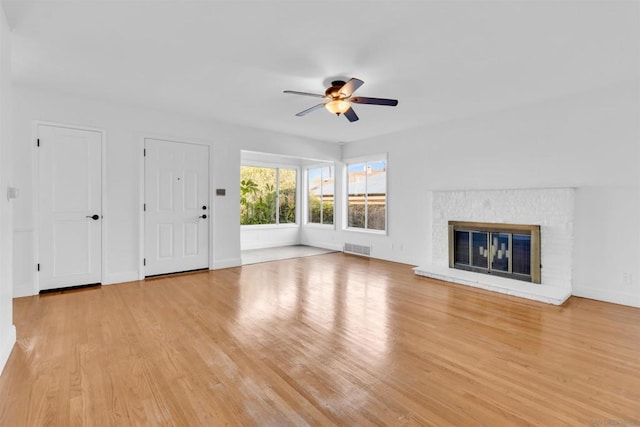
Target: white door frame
{"points": [[36, 196], [141, 193]]}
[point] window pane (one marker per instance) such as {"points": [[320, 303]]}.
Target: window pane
{"points": [[500, 249], [328, 190], [287, 196], [376, 194], [461, 247], [521, 261], [480, 250], [314, 197], [321, 186], [257, 195], [356, 191]]}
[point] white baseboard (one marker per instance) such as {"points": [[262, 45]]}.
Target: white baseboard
{"points": [[226, 263], [332, 246], [267, 245], [6, 346], [605, 295], [24, 290], [127, 276], [329, 246]]}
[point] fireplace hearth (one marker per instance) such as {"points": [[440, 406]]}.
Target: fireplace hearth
{"points": [[505, 250]]}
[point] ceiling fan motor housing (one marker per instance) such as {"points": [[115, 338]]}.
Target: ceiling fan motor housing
{"points": [[334, 90]]}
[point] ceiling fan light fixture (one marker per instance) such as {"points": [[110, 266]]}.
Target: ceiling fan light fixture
{"points": [[338, 106]]}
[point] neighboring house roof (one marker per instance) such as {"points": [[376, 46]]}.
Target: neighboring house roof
{"points": [[376, 183]]}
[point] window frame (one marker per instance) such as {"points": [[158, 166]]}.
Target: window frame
{"points": [[277, 167], [306, 196], [345, 190]]}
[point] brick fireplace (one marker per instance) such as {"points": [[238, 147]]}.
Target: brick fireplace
{"points": [[549, 210]]}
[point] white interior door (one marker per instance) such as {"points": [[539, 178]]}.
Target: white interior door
{"points": [[70, 206], [176, 207]]}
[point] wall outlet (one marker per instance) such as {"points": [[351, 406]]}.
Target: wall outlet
{"points": [[627, 278]]}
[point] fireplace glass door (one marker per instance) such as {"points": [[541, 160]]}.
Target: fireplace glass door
{"points": [[480, 250], [502, 251]]}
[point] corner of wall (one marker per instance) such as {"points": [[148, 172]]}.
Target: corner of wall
{"points": [[6, 346], [7, 329]]}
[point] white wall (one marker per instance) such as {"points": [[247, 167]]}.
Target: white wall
{"points": [[7, 330], [588, 141], [125, 127], [607, 258]]}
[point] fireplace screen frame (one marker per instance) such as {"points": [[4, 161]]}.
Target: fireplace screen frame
{"points": [[511, 229]]}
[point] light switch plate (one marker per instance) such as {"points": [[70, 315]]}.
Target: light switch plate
{"points": [[12, 193]]}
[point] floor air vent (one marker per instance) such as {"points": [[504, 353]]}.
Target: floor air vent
{"points": [[352, 248]]}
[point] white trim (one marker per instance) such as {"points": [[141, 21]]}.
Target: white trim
{"points": [[607, 295], [330, 246], [212, 203], [305, 191], [23, 291], [269, 226], [345, 193], [316, 226], [366, 231], [277, 167], [278, 244], [371, 157], [141, 194], [7, 346], [227, 263], [36, 194], [104, 225], [127, 276], [35, 203], [141, 198], [274, 165]]}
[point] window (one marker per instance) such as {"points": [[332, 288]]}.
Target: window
{"points": [[320, 195], [267, 195], [367, 195]]}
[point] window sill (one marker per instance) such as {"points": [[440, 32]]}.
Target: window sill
{"points": [[362, 230], [268, 226], [320, 226]]}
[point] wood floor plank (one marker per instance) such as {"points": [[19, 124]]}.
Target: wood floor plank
{"points": [[324, 340]]}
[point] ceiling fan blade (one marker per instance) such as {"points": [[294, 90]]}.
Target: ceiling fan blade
{"points": [[351, 115], [374, 101], [295, 92], [308, 110], [350, 87]]}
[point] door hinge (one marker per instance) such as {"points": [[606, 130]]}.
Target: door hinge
{"points": [[144, 261], [38, 267], [38, 142], [144, 152], [144, 207]]}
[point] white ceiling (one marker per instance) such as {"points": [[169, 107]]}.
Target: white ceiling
{"points": [[231, 60]]}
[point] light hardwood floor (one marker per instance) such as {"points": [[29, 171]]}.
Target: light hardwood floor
{"points": [[329, 339]]}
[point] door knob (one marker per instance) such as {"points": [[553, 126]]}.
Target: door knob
{"points": [[203, 216], [94, 217]]}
